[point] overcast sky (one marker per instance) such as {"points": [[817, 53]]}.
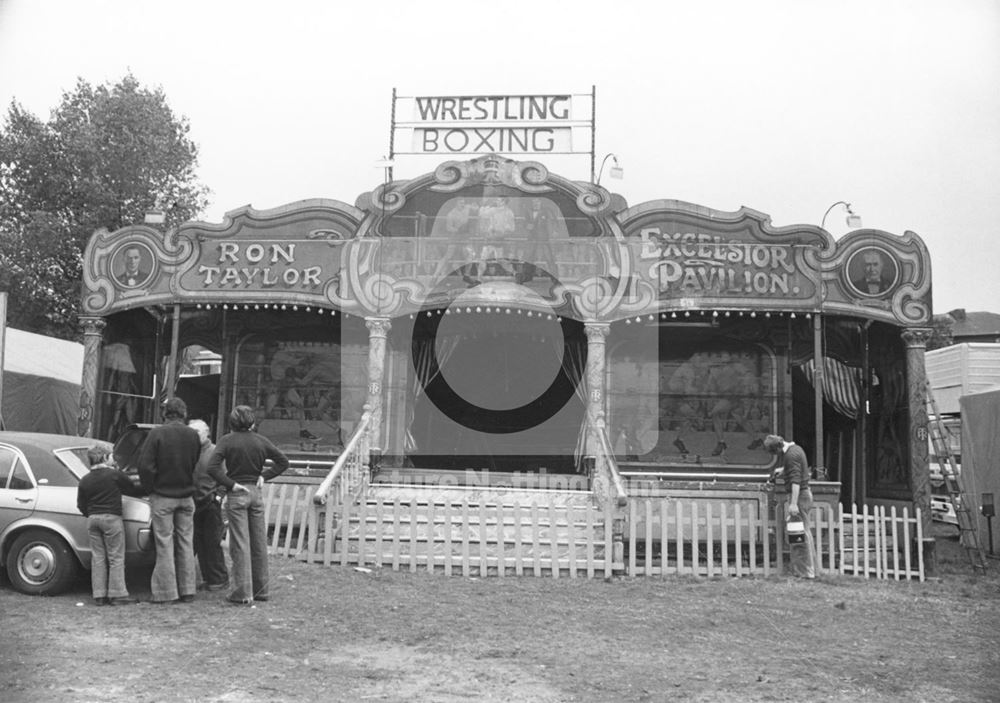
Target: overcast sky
{"points": [[784, 106]]}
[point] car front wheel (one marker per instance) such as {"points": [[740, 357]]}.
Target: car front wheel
{"points": [[40, 563]]}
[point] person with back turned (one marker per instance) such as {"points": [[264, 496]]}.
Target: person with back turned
{"points": [[795, 468], [166, 469], [99, 499], [245, 453]]}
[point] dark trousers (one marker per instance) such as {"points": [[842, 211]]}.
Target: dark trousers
{"points": [[208, 543]]}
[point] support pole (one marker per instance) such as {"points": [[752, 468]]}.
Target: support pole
{"points": [[818, 375], [863, 413], [378, 330], [916, 391], [175, 333], [93, 341], [596, 333], [3, 347]]}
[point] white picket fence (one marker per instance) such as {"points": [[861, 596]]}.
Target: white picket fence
{"points": [[658, 537], [879, 544]]}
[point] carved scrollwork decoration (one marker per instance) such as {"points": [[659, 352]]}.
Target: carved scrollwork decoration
{"points": [[594, 201], [451, 176], [387, 199]]}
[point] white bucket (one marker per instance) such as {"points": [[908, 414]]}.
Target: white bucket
{"points": [[796, 530]]}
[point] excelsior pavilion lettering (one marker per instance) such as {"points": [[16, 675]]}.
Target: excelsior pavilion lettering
{"points": [[695, 262]]}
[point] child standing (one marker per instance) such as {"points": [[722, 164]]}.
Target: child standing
{"points": [[99, 498]]}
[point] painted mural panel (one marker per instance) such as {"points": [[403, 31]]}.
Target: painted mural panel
{"points": [[308, 395], [694, 401]]}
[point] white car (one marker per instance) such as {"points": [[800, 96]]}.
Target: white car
{"points": [[43, 536], [942, 510]]}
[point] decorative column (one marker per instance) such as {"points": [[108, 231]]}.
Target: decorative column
{"points": [[378, 329], [93, 338], [916, 390], [596, 333]]}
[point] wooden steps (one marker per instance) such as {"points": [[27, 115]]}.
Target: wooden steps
{"points": [[472, 530]]}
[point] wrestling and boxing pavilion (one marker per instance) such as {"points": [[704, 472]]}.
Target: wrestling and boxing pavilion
{"points": [[493, 369]]}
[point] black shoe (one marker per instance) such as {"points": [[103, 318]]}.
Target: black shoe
{"points": [[306, 434], [681, 447], [122, 601], [756, 444], [719, 448], [262, 599], [163, 602], [102, 601], [217, 586], [240, 601], [189, 598]]}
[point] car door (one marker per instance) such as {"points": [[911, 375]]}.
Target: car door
{"points": [[18, 493]]}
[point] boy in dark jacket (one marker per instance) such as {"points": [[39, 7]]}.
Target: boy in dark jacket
{"points": [[99, 498]]}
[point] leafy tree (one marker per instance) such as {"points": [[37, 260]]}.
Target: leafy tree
{"points": [[941, 332], [106, 156]]}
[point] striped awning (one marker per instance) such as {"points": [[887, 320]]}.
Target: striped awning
{"points": [[841, 385]]}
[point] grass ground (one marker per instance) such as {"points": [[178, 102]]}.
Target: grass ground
{"points": [[339, 634]]}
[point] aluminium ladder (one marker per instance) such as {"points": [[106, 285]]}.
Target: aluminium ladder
{"points": [[968, 534]]}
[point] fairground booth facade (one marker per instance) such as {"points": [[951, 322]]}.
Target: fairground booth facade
{"points": [[494, 367]]}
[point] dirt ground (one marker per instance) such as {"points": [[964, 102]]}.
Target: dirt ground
{"points": [[339, 634]]}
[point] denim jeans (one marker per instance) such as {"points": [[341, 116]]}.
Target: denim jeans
{"points": [[247, 544], [107, 555], [173, 530], [802, 556], [208, 543]]}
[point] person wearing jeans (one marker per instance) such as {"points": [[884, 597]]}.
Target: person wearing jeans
{"points": [[99, 499], [244, 453], [166, 469], [795, 469], [248, 544]]}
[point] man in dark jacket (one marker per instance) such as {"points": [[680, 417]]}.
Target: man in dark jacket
{"points": [[245, 453], [166, 469], [99, 499]]}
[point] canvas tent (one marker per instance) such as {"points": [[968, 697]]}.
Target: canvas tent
{"points": [[981, 452], [41, 383]]}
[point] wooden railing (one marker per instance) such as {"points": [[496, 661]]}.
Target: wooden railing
{"points": [[726, 538], [345, 484], [879, 544], [460, 537]]}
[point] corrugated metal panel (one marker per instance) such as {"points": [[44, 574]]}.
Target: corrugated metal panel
{"points": [[962, 369]]}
